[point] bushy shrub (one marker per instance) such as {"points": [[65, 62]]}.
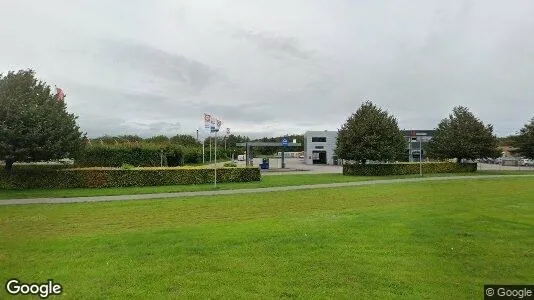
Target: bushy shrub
{"points": [[29, 166], [192, 155], [116, 177], [230, 165], [145, 155], [407, 168]]}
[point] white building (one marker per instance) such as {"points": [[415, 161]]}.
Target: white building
{"points": [[319, 147]]}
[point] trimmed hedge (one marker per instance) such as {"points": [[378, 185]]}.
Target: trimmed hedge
{"points": [[142, 155], [112, 177], [407, 168], [44, 167]]}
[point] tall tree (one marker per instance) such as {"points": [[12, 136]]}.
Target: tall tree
{"points": [[35, 124], [370, 134], [158, 139], [185, 140], [462, 136], [524, 141]]}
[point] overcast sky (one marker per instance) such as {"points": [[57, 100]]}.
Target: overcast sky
{"points": [[270, 67]]}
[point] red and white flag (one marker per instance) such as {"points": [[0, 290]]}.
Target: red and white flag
{"points": [[59, 94], [207, 120]]}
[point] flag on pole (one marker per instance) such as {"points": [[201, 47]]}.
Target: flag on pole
{"points": [[207, 120], [59, 94], [215, 125]]}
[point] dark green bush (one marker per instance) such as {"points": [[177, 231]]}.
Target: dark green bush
{"points": [[407, 168], [144, 155], [115, 177], [18, 167]]}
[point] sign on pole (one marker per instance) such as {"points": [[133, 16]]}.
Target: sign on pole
{"points": [[284, 142], [213, 124]]}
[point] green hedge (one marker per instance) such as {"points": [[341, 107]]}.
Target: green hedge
{"points": [[142, 155], [111, 177], [407, 168], [45, 167]]}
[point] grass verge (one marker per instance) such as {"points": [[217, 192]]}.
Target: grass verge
{"points": [[418, 240], [266, 181]]}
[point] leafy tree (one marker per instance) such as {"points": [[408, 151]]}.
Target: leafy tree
{"points": [[370, 134], [106, 140], [34, 124], [524, 141], [158, 139], [130, 138], [185, 140], [505, 141], [462, 136]]}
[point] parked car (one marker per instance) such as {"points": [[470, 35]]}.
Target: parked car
{"points": [[527, 162]]}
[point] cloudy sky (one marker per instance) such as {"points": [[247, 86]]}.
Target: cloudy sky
{"points": [[270, 67]]}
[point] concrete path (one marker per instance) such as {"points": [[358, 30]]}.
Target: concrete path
{"points": [[243, 191]]}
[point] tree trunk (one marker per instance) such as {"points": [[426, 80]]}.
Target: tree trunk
{"points": [[9, 165]]}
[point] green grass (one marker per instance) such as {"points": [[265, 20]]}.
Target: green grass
{"points": [[266, 181], [440, 240]]}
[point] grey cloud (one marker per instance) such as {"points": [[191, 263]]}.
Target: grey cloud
{"points": [[276, 45], [148, 62], [305, 65]]}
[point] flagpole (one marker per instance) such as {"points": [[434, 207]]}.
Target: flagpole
{"points": [[215, 182], [421, 156], [210, 146]]}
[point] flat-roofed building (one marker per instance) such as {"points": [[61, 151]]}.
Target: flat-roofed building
{"points": [[319, 147]]}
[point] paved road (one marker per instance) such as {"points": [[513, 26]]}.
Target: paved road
{"points": [[241, 191], [493, 167]]}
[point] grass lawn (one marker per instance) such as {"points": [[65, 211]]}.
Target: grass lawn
{"points": [[440, 240], [266, 181]]}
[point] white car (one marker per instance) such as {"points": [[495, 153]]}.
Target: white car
{"points": [[527, 162]]}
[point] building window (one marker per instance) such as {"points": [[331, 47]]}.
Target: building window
{"points": [[318, 139], [319, 147]]}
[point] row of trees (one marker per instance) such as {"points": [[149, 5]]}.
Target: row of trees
{"points": [[35, 125], [373, 134], [228, 143]]}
